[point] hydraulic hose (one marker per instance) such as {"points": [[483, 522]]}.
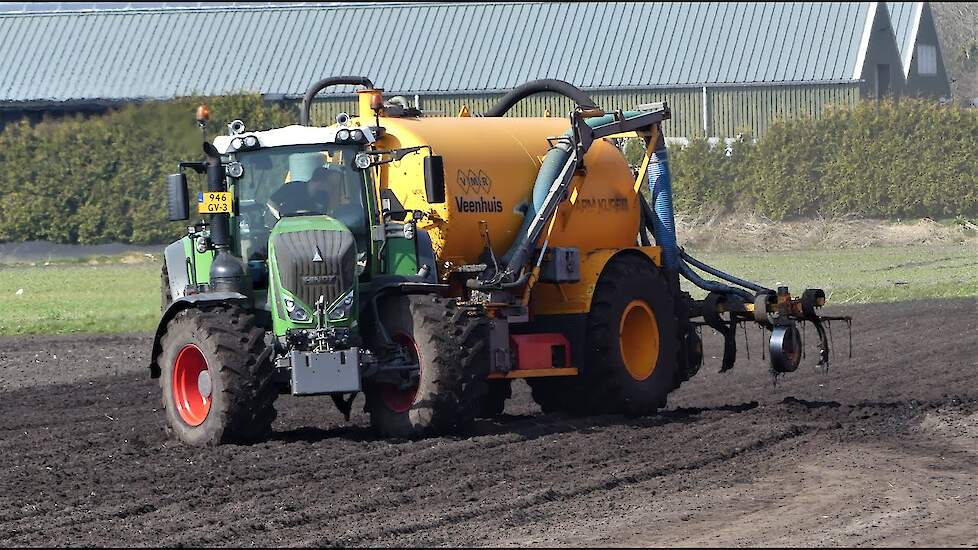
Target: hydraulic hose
{"points": [[723, 275], [476, 284], [711, 286], [547, 85], [324, 83], [648, 217]]}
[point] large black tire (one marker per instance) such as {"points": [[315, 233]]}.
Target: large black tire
{"points": [[629, 285], [450, 344], [556, 394], [611, 387], [238, 363], [494, 402]]}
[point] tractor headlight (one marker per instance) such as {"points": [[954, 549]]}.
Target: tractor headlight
{"points": [[296, 311], [235, 169], [357, 135], [343, 135], [342, 308], [250, 141], [237, 143], [362, 161]]}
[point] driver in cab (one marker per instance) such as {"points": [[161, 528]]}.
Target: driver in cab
{"points": [[319, 195]]}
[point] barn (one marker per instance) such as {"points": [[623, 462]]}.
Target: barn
{"points": [[725, 68]]}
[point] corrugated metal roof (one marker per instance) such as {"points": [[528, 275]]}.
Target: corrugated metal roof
{"points": [[905, 17], [105, 6], [424, 48]]}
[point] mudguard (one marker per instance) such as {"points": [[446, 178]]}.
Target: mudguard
{"points": [[176, 268], [178, 305]]}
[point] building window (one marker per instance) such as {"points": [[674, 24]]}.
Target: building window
{"points": [[926, 59]]}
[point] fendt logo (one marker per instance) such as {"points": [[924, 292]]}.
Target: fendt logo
{"points": [[474, 182]]}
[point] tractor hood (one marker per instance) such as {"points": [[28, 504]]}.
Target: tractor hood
{"points": [[309, 257]]}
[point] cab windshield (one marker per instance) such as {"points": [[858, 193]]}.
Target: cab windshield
{"points": [[300, 180]]}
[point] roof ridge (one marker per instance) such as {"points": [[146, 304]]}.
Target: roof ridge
{"points": [[243, 8]]}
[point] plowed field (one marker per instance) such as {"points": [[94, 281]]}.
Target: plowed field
{"points": [[881, 450]]}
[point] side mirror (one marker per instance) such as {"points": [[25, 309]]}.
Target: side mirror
{"points": [[176, 197], [434, 179]]}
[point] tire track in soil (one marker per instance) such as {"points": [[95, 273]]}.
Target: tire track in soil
{"points": [[88, 462]]}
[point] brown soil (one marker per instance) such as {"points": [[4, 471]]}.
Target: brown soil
{"points": [[881, 450]]}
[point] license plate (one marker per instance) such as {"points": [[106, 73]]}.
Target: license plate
{"points": [[214, 203]]}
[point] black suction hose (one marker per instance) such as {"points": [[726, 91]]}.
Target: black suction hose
{"points": [[547, 85], [723, 275], [711, 286], [324, 83]]}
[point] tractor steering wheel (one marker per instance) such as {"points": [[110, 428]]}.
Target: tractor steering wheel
{"points": [[292, 199]]}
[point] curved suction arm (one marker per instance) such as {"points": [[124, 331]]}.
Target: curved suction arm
{"points": [[325, 83], [533, 87]]}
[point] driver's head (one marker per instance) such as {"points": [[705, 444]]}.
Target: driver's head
{"points": [[325, 181]]}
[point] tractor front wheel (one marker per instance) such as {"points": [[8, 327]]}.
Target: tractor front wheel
{"points": [[448, 342], [217, 377]]}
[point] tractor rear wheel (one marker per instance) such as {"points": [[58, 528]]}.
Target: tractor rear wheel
{"points": [[217, 377], [633, 341], [449, 344]]}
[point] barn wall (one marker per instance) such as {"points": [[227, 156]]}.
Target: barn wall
{"points": [[731, 110]]}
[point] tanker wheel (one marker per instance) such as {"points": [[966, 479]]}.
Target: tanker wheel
{"points": [[557, 394], [217, 377], [494, 402], [449, 344], [633, 341]]}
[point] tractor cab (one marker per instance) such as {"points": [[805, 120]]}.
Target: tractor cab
{"points": [[301, 222], [295, 172]]}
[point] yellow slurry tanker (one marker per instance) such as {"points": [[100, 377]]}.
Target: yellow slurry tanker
{"points": [[430, 261]]}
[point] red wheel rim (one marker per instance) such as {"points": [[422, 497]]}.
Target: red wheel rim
{"points": [[191, 385], [396, 399]]}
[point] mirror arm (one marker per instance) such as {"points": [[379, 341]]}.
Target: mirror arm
{"points": [[198, 167], [396, 154]]}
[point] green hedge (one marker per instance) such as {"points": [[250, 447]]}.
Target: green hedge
{"points": [[101, 178], [911, 158]]}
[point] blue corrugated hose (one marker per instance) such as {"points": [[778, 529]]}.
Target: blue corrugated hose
{"points": [[664, 221]]}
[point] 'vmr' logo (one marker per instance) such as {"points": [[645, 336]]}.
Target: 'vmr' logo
{"points": [[474, 182]]}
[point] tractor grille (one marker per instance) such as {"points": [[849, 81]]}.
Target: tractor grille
{"points": [[307, 279]]}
